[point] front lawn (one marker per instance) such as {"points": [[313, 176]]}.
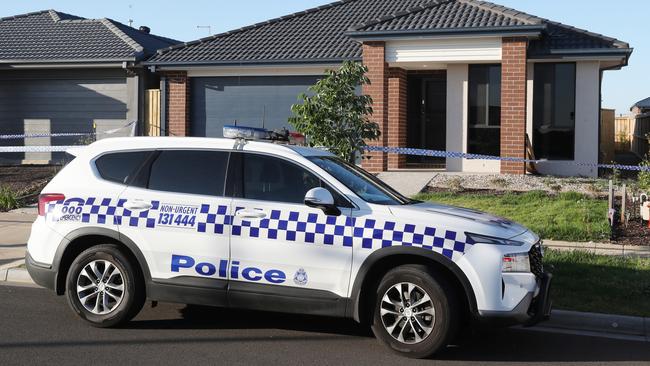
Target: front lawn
{"points": [[601, 284], [567, 216]]}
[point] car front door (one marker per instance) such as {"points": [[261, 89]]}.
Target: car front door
{"points": [[177, 214], [285, 256]]}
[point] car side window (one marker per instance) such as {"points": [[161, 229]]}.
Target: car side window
{"points": [[267, 178], [120, 167], [189, 171]]}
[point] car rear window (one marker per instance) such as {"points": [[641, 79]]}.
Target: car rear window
{"points": [[119, 167], [189, 171]]}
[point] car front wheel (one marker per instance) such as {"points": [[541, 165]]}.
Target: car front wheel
{"points": [[415, 314]]}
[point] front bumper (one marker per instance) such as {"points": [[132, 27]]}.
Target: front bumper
{"points": [[529, 312], [42, 274]]}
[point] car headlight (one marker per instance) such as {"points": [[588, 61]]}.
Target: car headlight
{"points": [[483, 239], [516, 263]]}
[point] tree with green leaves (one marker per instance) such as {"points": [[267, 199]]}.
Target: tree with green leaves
{"points": [[335, 116]]}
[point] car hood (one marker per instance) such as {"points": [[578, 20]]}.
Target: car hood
{"points": [[461, 219]]}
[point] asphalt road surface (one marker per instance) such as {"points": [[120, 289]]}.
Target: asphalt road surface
{"points": [[37, 327]]}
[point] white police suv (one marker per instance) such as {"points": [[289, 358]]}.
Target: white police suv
{"points": [[259, 225]]}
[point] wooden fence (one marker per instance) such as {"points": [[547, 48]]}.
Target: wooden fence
{"points": [[624, 132], [640, 135], [152, 112], [607, 140]]}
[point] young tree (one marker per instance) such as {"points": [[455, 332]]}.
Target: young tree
{"points": [[336, 117]]}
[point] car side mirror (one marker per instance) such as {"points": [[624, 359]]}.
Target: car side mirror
{"points": [[322, 198]]}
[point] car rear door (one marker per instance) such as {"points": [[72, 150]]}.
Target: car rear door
{"points": [[285, 256], [176, 213]]}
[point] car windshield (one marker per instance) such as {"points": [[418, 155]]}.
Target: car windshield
{"points": [[365, 185]]}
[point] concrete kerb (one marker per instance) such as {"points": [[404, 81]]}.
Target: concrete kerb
{"points": [[599, 248], [12, 273], [597, 325]]}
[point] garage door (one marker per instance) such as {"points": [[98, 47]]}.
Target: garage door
{"points": [[60, 106], [247, 101]]}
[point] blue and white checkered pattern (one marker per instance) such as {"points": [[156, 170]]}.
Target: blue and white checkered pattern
{"points": [[105, 211], [289, 226], [213, 220], [300, 227]]}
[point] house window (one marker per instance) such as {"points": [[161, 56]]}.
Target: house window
{"points": [[554, 102], [484, 125]]}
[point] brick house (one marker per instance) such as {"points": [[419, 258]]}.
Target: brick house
{"points": [[455, 75]]}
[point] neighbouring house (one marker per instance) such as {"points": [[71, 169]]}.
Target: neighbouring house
{"points": [[641, 107], [456, 75], [61, 73]]}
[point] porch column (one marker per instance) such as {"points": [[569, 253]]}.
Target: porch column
{"points": [[513, 104], [375, 59], [397, 104], [178, 103]]}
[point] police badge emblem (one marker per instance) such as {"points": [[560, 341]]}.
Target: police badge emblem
{"points": [[300, 278]]}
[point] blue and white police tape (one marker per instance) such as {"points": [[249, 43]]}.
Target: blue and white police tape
{"points": [[63, 134], [26, 149], [460, 155]]}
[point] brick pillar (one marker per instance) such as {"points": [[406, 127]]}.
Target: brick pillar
{"points": [[374, 58], [397, 104], [513, 104], [178, 103]]}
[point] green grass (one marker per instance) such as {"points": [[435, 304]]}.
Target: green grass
{"points": [[8, 199], [600, 284], [567, 216]]}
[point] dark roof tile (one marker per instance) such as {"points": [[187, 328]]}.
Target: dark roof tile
{"points": [[51, 36], [326, 33]]}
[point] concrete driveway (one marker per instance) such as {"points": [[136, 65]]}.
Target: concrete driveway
{"points": [[14, 232]]}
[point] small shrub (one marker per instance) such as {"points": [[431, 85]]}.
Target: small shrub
{"points": [[8, 199], [593, 189], [556, 188], [644, 176], [499, 183], [455, 184]]}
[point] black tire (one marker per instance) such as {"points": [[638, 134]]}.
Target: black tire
{"points": [[443, 301], [133, 297]]}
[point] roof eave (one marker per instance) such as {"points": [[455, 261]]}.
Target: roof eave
{"points": [[58, 63], [248, 62], [529, 31]]}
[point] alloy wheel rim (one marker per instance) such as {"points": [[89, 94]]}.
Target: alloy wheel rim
{"points": [[407, 313], [100, 287]]}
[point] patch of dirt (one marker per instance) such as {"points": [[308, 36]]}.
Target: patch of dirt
{"points": [[636, 232], [27, 180]]}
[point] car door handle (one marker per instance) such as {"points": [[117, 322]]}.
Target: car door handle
{"points": [[250, 214], [137, 205]]}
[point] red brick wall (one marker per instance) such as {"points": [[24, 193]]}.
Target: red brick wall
{"points": [[374, 58], [178, 103], [513, 104], [397, 122]]}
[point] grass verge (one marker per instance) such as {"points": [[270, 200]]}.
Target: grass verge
{"points": [[567, 216], [602, 284]]}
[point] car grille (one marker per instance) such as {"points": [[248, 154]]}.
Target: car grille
{"points": [[536, 260]]}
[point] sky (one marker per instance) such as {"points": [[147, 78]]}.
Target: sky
{"points": [[188, 20]]}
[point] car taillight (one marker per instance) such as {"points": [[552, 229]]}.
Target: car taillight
{"points": [[43, 199]]}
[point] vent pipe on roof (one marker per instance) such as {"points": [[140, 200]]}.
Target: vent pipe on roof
{"points": [[145, 29]]}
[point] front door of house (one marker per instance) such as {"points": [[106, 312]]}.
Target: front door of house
{"points": [[427, 118]]}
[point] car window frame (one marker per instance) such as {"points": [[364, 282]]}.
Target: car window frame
{"points": [[135, 172], [235, 175], [146, 169]]}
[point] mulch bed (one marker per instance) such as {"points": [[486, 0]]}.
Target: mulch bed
{"points": [[635, 233], [27, 180]]}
